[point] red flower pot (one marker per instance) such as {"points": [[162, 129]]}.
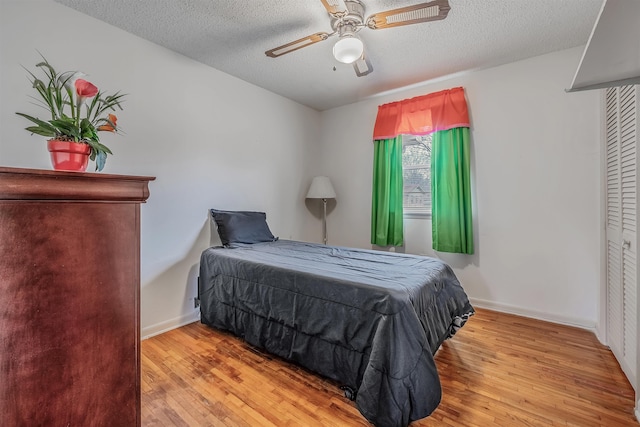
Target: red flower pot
{"points": [[69, 156]]}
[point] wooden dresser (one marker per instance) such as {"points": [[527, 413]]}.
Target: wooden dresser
{"points": [[70, 298]]}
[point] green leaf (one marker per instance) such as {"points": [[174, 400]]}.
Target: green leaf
{"points": [[97, 147], [94, 102], [63, 123], [40, 123], [67, 127], [38, 84], [105, 148], [109, 103], [40, 131], [88, 131], [46, 65], [85, 124], [94, 145]]}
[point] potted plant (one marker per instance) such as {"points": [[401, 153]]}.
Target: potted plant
{"points": [[78, 111]]}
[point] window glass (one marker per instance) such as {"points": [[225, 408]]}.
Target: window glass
{"points": [[416, 169]]}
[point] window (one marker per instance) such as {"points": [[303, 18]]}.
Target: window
{"points": [[416, 174]]}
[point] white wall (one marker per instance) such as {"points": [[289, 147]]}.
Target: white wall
{"points": [[210, 139], [535, 173], [215, 141]]}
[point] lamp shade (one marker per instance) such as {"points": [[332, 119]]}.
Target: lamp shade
{"points": [[348, 49], [321, 188]]}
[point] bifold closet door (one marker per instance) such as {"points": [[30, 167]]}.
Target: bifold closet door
{"points": [[621, 222]]}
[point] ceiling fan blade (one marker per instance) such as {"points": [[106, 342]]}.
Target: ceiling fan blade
{"points": [[335, 7], [423, 12], [297, 44], [362, 66]]}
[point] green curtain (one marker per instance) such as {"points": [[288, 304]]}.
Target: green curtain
{"points": [[452, 228], [386, 203]]}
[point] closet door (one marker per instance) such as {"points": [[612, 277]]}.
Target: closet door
{"points": [[621, 222]]}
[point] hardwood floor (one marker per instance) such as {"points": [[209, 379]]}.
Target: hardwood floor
{"points": [[499, 370]]}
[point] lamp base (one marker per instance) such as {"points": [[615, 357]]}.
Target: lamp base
{"points": [[324, 220]]}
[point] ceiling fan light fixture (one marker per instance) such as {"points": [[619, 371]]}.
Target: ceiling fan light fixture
{"points": [[348, 49], [348, 17]]}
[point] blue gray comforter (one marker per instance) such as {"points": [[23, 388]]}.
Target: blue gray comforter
{"points": [[370, 320]]}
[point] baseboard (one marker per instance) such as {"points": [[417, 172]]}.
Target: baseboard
{"points": [[177, 322], [534, 314], [159, 328], [638, 410], [601, 335]]}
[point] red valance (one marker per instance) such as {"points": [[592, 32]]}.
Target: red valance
{"points": [[422, 115]]}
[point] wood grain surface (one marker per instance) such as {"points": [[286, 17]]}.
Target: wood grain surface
{"points": [[69, 298], [499, 370]]}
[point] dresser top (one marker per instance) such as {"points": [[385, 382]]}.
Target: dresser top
{"points": [[37, 184]]}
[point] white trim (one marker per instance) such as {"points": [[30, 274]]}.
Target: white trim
{"points": [[417, 215], [638, 410], [534, 314], [601, 334], [601, 326], [183, 320], [425, 83], [168, 325]]}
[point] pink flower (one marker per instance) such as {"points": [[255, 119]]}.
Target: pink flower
{"points": [[84, 89]]}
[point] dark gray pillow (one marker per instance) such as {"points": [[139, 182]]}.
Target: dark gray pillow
{"points": [[242, 227]]}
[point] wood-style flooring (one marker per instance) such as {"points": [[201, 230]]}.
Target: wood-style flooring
{"points": [[499, 370]]}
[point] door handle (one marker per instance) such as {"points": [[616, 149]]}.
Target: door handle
{"points": [[626, 244]]}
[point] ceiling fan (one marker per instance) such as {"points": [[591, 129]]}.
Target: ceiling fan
{"points": [[347, 18]]}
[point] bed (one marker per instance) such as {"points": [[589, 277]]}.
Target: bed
{"points": [[370, 320]]}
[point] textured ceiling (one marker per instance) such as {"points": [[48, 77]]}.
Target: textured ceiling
{"points": [[232, 36]]}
